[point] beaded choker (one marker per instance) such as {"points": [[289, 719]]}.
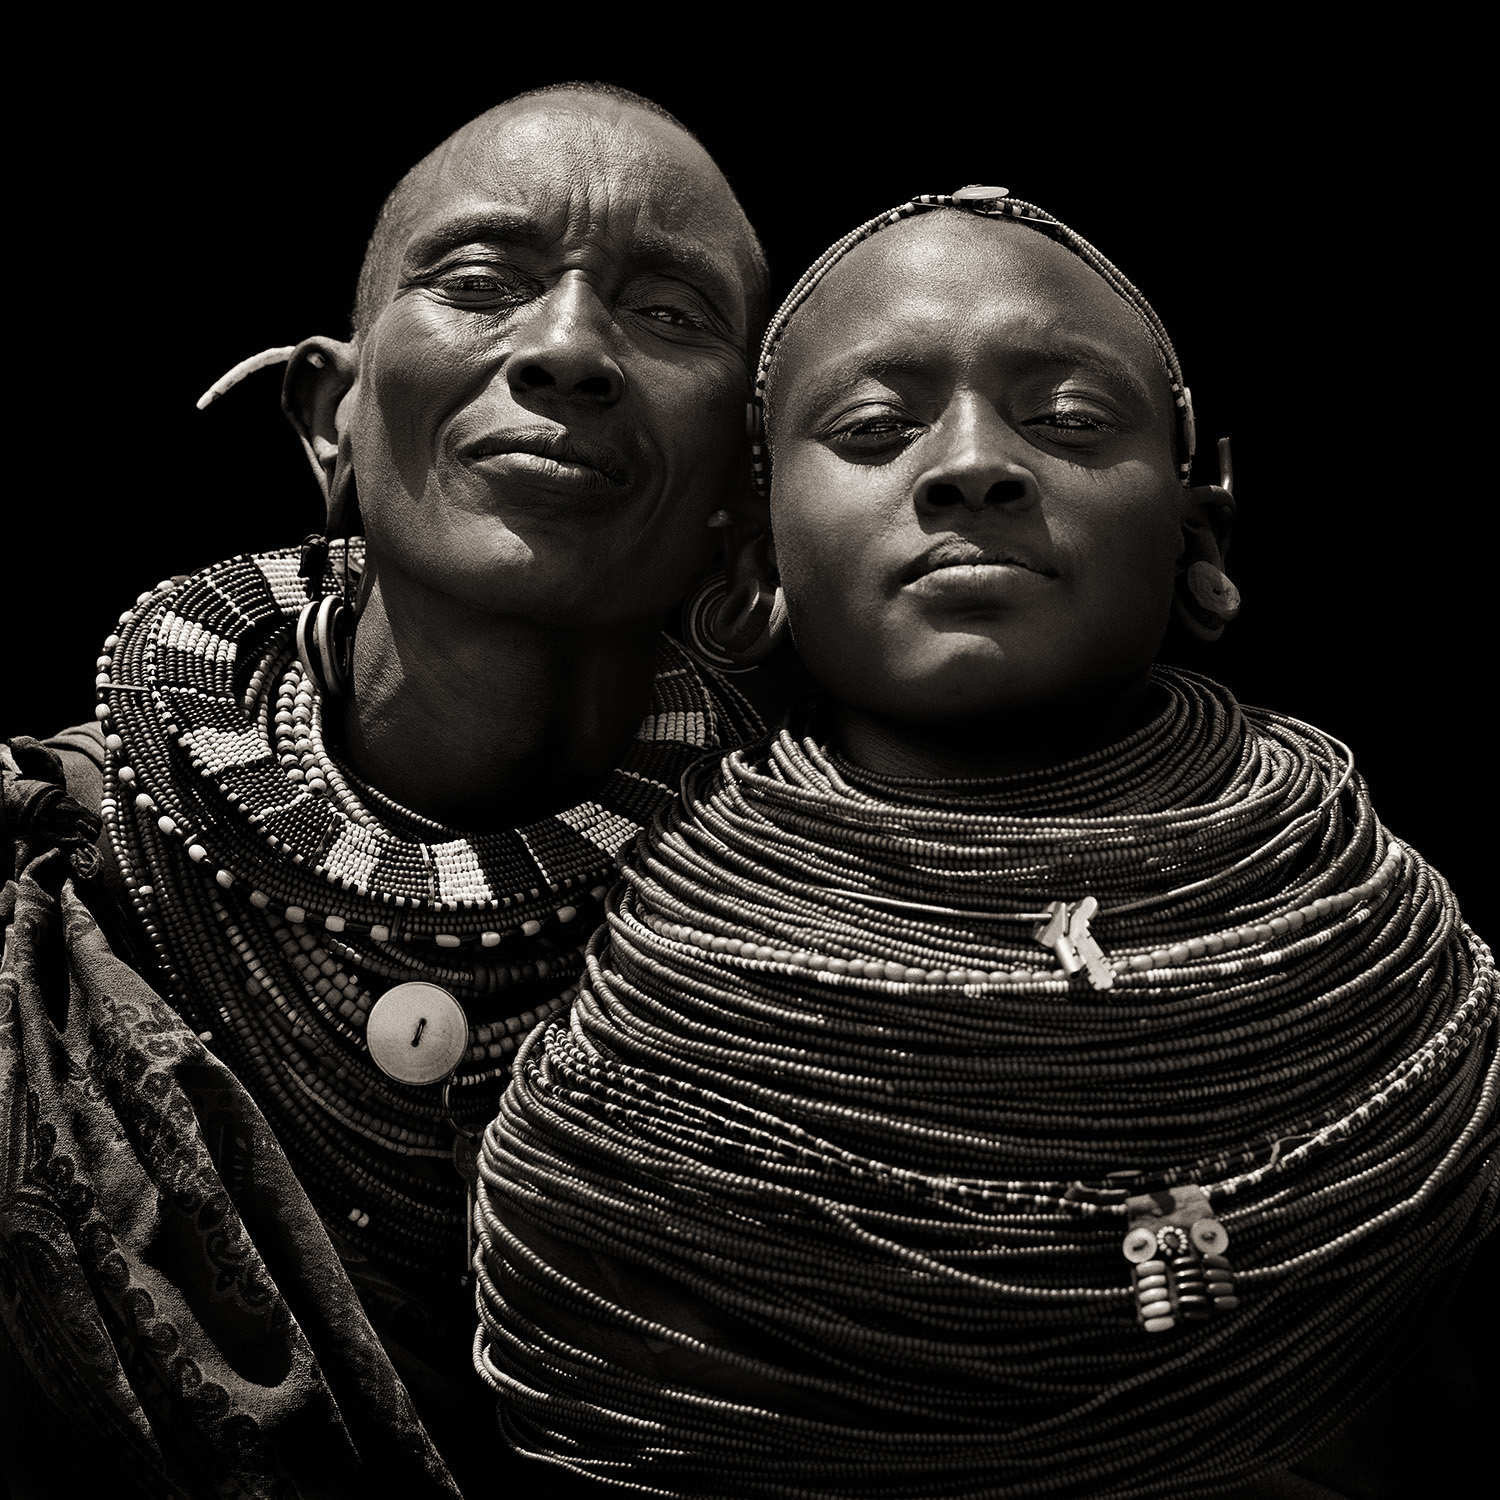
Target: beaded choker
{"points": [[281, 897], [949, 1213]]}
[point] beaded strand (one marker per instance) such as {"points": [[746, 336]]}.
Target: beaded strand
{"points": [[281, 897], [824, 1079]]}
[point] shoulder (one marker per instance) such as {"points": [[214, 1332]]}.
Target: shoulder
{"points": [[74, 758], [81, 751]]}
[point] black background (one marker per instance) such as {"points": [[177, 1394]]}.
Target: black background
{"points": [[1296, 210]]}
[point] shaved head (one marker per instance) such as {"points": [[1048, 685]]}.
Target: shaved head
{"points": [[407, 200]]}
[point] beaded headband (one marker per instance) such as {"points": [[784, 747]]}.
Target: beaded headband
{"points": [[988, 203]]}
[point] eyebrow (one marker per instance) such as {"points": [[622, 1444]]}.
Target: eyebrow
{"points": [[648, 251], [510, 225], [1063, 353]]}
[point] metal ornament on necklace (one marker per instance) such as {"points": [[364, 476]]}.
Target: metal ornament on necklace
{"points": [[296, 916]]}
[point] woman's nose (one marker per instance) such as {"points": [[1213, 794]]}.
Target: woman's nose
{"points": [[562, 352], [976, 465]]}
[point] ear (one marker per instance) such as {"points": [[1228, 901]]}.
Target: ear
{"points": [[319, 375], [1205, 600], [748, 551]]}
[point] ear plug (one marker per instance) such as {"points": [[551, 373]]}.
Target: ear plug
{"points": [[1226, 467]]}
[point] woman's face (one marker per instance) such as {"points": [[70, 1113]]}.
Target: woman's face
{"points": [[974, 496]]}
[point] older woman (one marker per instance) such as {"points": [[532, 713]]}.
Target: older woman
{"points": [[1031, 1072], [362, 803]]}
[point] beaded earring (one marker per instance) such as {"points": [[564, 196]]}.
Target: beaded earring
{"points": [[325, 627]]}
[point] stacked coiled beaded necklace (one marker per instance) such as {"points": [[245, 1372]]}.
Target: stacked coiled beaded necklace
{"points": [[281, 898], [837, 1078]]}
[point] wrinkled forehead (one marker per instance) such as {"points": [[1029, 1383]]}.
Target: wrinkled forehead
{"points": [[579, 158], [954, 283], [571, 170]]}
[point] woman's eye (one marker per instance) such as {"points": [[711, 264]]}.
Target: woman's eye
{"points": [[1074, 423], [874, 435]]}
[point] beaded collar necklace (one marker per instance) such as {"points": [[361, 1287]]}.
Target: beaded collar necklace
{"points": [[281, 897], [1027, 1232]]}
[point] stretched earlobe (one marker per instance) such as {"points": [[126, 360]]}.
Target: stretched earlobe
{"points": [[320, 373], [1205, 600], [737, 618]]}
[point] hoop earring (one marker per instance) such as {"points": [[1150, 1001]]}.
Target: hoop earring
{"points": [[325, 626], [699, 611], [733, 630]]}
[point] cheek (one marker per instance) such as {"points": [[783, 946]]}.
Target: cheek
{"points": [[832, 556], [415, 372], [693, 413], [1121, 541]]}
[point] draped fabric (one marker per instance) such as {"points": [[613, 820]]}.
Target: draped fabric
{"points": [[165, 1285]]}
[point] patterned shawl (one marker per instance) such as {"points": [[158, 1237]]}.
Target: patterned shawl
{"points": [[164, 1280]]}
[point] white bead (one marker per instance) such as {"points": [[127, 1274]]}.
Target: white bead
{"points": [[296, 914], [333, 923]]}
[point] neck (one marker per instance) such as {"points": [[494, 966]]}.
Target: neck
{"points": [[483, 721], [982, 747]]}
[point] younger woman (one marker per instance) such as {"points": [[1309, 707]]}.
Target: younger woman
{"points": [[1031, 1071]]}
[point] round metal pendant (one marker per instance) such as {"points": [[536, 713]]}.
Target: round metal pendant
{"points": [[417, 1033]]}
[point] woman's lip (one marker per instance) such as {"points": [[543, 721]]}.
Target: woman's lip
{"points": [[977, 584], [962, 552], [536, 471]]}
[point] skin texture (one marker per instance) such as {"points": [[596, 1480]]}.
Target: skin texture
{"points": [[537, 424], [977, 520]]}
